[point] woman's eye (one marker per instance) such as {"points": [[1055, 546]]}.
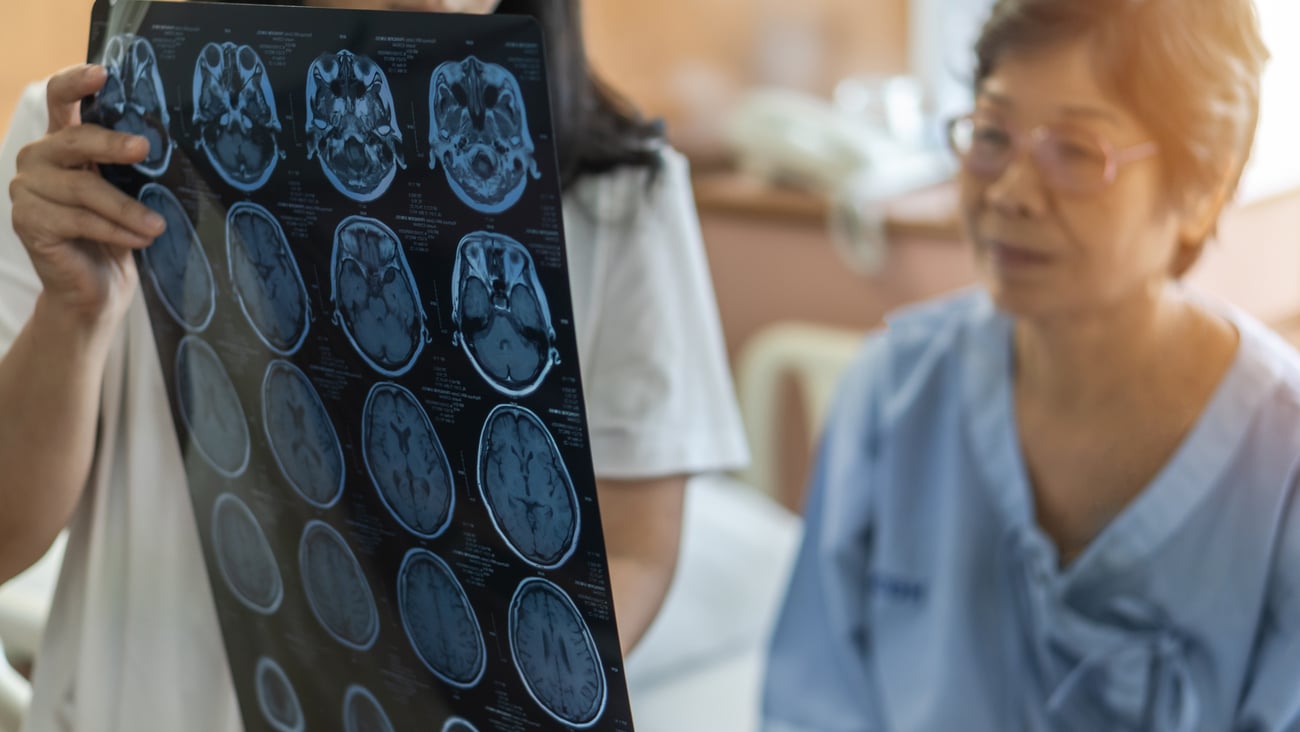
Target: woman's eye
{"points": [[1078, 152]]}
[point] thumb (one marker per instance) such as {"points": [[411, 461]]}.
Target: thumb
{"points": [[66, 89]]}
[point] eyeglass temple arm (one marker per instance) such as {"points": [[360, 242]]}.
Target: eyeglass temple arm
{"points": [[1137, 152]]}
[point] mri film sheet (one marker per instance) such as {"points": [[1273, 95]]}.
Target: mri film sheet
{"points": [[362, 314]]}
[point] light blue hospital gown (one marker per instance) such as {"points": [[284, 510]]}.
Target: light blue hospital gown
{"points": [[926, 599]]}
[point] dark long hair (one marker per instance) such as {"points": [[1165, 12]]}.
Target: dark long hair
{"points": [[596, 129]]}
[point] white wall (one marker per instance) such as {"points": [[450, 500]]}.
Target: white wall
{"points": [[1275, 164]]}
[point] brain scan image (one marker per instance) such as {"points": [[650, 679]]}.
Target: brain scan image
{"points": [[375, 297], [210, 407], [555, 653], [276, 697], [132, 99], [352, 124], [234, 111], [456, 724], [244, 556], [479, 133], [301, 435], [362, 713], [267, 282], [406, 460], [176, 264], [500, 313], [439, 619], [336, 588], [527, 488]]}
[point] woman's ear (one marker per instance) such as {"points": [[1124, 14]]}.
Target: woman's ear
{"points": [[1200, 220], [1202, 210]]}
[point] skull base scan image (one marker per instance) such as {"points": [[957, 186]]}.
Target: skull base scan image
{"points": [[234, 108], [365, 334], [480, 134], [133, 100], [352, 124]]}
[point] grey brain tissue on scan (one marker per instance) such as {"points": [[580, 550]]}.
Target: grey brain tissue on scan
{"points": [[375, 297], [133, 101], [266, 280], [439, 619], [406, 460], [555, 653], [175, 262], [480, 134], [210, 407], [302, 437], [244, 556], [276, 697], [352, 124], [527, 487], [336, 588], [362, 712], [499, 309], [234, 109]]}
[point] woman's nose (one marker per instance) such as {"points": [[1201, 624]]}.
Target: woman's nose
{"points": [[1019, 191]]}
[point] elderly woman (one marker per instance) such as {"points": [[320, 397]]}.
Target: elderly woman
{"points": [[1066, 500]]}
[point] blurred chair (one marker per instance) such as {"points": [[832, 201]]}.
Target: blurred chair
{"points": [[808, 355]]}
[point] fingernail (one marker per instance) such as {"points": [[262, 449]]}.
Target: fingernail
{"points": [[154, 222]]}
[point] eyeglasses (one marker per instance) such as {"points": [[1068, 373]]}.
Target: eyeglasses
{"points": [[1069, 159]]}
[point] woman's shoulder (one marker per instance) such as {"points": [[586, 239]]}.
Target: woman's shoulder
{"points": [[1267, 357], [627, 192], [927, 334], [921, 343]]}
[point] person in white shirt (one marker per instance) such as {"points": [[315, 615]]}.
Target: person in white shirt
{"points": [[87, 442]]}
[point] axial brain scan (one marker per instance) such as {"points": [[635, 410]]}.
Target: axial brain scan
{"points": [[439, 619], [502, 320], [210, 407], [406, 460], [456, 724], [234, 111], [276, 697], [302, 437], [336, 588], [244, 556], [527, 487], [132, 99], [480, 134], [176, 264], [352, 124], [362, 713], [555, 653], [267, 282], [375, 297]]}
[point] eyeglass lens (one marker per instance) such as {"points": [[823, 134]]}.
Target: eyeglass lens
{"points": [[1068, 159]]}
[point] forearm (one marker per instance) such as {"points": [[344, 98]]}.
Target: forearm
{"points": [[640, 587], [50, 383], [642, 522]]}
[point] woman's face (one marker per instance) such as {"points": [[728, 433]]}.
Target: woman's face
{"points": [[477, 7], [1043, 251]]}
